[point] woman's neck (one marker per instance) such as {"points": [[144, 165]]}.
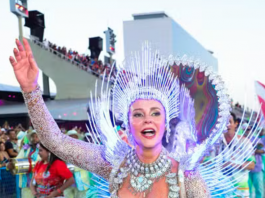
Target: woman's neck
{"points": [[147, 155], [45, 162], [229, 136]]}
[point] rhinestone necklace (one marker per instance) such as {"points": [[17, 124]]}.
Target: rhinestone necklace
{"points": [[143, 176]]}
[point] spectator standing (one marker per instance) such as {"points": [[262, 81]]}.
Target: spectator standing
{"points": [[262, 138], [4, 157], [256, 187], [29, 151], [6, 126], [46, 43], [51, 176], [11, 144], [2, 135], [242, 187], [6, 188], [20, 136]]}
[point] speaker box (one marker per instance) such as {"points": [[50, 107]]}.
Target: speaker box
{"points": [[96, 43], [95, 46], [36, 23], [35, 20]]}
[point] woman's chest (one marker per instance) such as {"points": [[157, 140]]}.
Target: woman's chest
{"points": [[49, 177], [1, 157], [159, 189]]}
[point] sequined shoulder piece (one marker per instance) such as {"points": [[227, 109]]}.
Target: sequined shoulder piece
{"points": [[195, 186], [84, 155]]}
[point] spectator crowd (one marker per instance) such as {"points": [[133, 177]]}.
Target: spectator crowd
{"points": [[84, 61], [17, 142], [47, 175]]}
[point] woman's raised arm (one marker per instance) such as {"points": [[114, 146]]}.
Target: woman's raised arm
{"points": [[84, 155]]}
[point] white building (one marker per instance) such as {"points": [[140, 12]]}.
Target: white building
{"points": [[164, 34]]}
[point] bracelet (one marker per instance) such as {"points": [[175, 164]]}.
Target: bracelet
{"points": [[59, 191]]}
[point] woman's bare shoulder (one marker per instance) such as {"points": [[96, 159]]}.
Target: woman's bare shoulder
{"points": [[175, 165]]}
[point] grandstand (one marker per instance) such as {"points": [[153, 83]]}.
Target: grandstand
{"points": [[72, 82]]}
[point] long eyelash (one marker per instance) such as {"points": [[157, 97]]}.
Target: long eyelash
{"points": [[157, 113], [137, 114]]}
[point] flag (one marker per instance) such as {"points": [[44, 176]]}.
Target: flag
{"points": [[260, 91]]}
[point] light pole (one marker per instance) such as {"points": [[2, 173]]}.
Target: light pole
{"points": [[20, 28], [20, 9], [110, 42]]}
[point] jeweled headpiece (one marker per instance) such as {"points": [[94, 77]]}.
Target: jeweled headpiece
{"points": [[146, 76]]}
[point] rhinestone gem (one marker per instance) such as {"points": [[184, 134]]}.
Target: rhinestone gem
{"points": [[172, 181], [135, 172], [173, 195], [174, 188], [140, 179], [170, 175]]}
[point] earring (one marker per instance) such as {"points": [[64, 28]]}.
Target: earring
{"points": [[49, 157], [130, 138], [167, 133]]}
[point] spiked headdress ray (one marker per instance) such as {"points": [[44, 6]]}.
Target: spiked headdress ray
{"points": [[146, 76]]}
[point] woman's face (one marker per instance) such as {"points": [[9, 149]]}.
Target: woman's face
{"points": [[232, 125], [147, 123], [2, 147], [43, 154]]}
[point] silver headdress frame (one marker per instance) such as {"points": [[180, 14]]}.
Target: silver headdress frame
{"points": [[146, 76]]}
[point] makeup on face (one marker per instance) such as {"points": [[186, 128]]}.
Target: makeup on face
{"points": [[147, 122]]}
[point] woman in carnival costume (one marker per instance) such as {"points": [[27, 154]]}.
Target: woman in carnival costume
{"points": [[147, 93]]}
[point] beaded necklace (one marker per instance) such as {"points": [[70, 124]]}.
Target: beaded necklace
{"points": [[143, 176]]}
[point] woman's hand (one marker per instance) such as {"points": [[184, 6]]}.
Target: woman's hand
{"points": [[35, 194], [10, 165], [53, 194], [25, 67]]}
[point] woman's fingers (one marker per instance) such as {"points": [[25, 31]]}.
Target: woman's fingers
{"points": [[17, 55], [27, 47], [21, 49], [12, 61], [32, 62]]}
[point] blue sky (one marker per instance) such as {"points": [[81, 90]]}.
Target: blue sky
{"points": [[234, 30]]}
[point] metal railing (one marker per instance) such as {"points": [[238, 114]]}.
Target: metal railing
{"points": [[9, 184], [60, 55]]}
